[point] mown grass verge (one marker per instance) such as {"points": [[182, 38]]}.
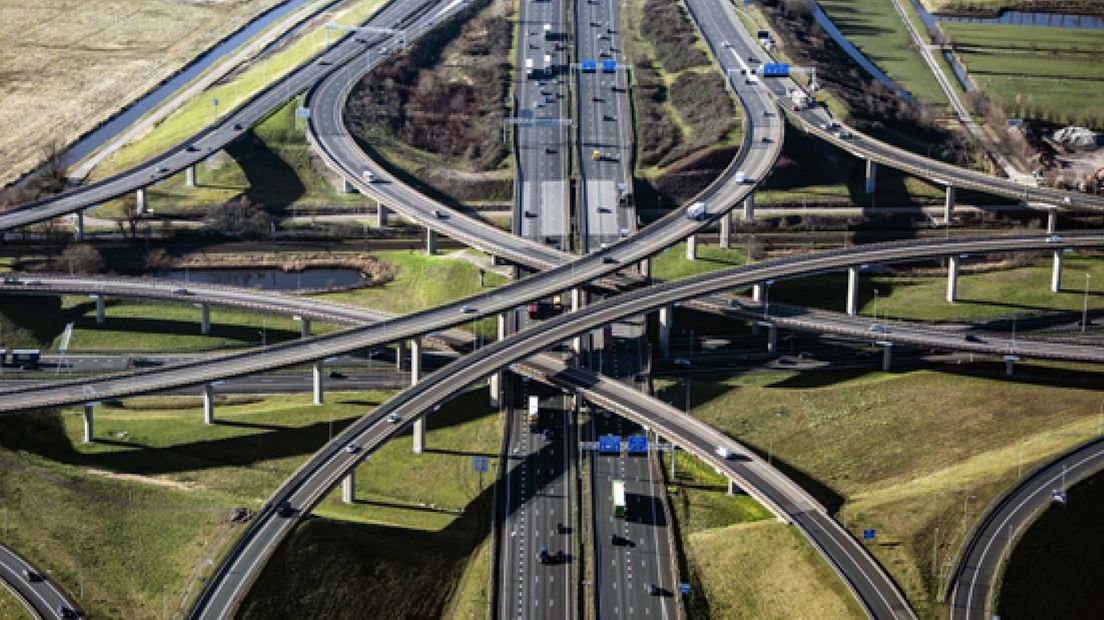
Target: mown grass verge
{"points": [[914, 455]]}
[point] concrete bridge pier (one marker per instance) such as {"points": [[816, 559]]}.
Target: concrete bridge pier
{"points": [[577, 302], [871, 176], [381, 215], [494, 385], [190, 176], [949, 205], [140, 201], [78, 231], [692, 247], [757, 293], [415, 377], [726, 230], [99, 308], [88, 407], [749, 207], [208, 403], [431, 242], [316, 372], [666, 318], [348, 488], [645, 267], [887, 354], [852, 291], [1010, 364], [1056, 272], [304, 326], [204, 318], [1052, 220], [732, 488], [400, 353], [952, 278], [772, 335], [347, 186]]}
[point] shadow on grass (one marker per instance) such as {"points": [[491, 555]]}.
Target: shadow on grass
{"points": [[272, 181]]}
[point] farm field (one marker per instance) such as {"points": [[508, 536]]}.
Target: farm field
{"points": [[1041, 73], [68, 66]]}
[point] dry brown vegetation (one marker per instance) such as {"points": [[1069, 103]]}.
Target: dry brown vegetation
{"points": [[66, 66], [979, 8]]}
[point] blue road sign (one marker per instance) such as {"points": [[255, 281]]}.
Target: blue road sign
{"points": [[609, 66], [776, 69], [589, 66], [638, 444], [609, 444], [868, 535], [684, 588], [480, 464]]}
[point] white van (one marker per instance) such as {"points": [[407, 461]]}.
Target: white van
{"points": [[368, 176]]}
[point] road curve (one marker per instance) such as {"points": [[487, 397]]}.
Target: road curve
{"points": [[984, 552], [39, 595]]}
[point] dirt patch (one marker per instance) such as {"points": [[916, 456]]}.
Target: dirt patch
{"points": [[157, 482]]}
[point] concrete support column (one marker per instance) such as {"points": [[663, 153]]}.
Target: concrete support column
{"points": [[1052, 221], [952, 278], [577, 302], [852, 290], [674, 452], [1056, 272], [316, 372], [494, 385], [645, 267], [208, 403], [415, 377], [304, 327], [348, 488], [140, 201], [190, 176], [772, 336], [732, 488], [887, 354], [99, 309], [346, 186], [204, 318], [88, 422], [1010, 364], [381, 215], [757, 293], [400, 353], [871, 176], [726, 230], [749, 208], [482, 278], [692, 247], [431, 242], [78, 233], [949, 205], [666, 318]]}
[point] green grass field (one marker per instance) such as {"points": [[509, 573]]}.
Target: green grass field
{"points": [[423, 282], [875, 28], [902, 453], [11, 607], [270, 165], [136, 326], [1035, 72], [673, 265], [198, 113], [414, 543]]}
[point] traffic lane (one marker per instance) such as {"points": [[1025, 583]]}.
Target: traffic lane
{"points": [[37, 593], [978, 566]]}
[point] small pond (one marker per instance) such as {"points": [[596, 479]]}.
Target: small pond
{"points": [[270, 279]]}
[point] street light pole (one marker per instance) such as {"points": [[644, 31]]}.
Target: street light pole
{"points": [[875, 304]]}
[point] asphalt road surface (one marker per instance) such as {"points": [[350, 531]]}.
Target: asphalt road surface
{"points": [[38, 593]]}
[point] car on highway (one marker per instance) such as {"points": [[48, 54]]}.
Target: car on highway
{"points": [[1054, 239], [11, 280], [181, 291], [609, 260], [724, 452], [337, 374], [466, 309], [549, 150], [352, 448], [238, 127], [65, 611], [971, 338], [561, 528], [34, 282], [191, 148], [529, 213], [682, 362], [393, 418], [438, 214], [285, 510], [596, 155], [31, 575], [878, 328], [162, 169]]}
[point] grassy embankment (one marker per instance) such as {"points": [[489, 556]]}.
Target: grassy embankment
{"points": [[1042, 73], [413, 545], [156, 491], [741, 563], [433, 115], [687, 126], [69, 67], [904, 453], [12, 607], [875, 28], [198, 113]]}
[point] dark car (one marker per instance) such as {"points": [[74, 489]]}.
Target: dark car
{"points": [[31, 575], [285, 510]]}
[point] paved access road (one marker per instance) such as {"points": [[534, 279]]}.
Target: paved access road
{"points": [[395, 13], [984, 552], [37, 592]]}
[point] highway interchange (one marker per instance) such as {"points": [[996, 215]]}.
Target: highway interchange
{"points": [[327, 467]]}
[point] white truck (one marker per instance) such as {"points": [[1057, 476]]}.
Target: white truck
{"points": [[799, 99], [696, 211], [529, 68], [741, 176], [534, 413], [369, 176], [724, 452]]}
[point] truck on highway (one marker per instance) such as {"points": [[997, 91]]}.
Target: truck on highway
{"points": [[369, 176], [696, 211], [799, 99], [740, 177], [24, 358], [529, 68], [534, 413], [548, 34], [619, 499], [724, 452]]}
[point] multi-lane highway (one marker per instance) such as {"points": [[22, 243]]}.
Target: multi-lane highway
{"points": [[992, 537], [34, 588]]}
